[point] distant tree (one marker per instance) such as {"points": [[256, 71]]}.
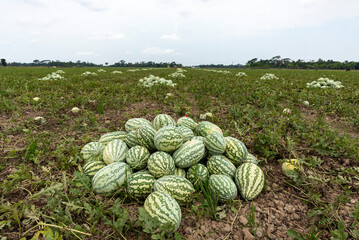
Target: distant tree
{"points": [[3, 62], [106, 63]]}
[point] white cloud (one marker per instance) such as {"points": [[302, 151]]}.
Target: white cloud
{"points": [[4, 42], [170, 37], [157, 51], [85, 53], [118, 36], [91, 5], [34, 41], [35, 33]]}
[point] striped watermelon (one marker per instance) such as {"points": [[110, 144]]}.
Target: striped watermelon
{"points": [[250, 180], [92, 151], [131, 139], [91, 168], [108, 137], [180, 172], [178, 187], [160, 164], [115, 151], [110, 178], [187, 122], [215, 143], [135, 123], [187, 133], [140, 184], [219, 164], [250, 159], [224, 186], [145, 137], [164, 208], [236, 151], [204, 128], [168, 139], [137, 157], [188, 154], [197, 173], [163, 120], [198, 138]]}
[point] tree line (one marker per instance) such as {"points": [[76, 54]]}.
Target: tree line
{"points": [[122, 63], [278, 62], [274, 62]]}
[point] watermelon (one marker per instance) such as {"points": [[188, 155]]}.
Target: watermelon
{"points": [[163, 120], [197, 173], [108, 137], [215, 143], [219, 164], [236, 151], [250, 159], [187, 133], [224, 186], [140, 184], [164, 209], [204, 128], [145, 137], [178, 187], [92, 151], [199, 138], [137, 156], [250, 180], [168, 139], [160, 164], [187, 122], [135, 123], [91, 168], [188, 154], [180, 172], [115, 151], [131, 139], [110, 178]]}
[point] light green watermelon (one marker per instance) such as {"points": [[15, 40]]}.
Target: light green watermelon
{"points": [[224, 186], [108, 137], [199, 138], [110, 178], [219, 164], [187, 122], [178, 187], [160, 164], [180, 172], [215, 143], [137, 157], [187, 133], [204, 128], [163, 120], [168, 139], [131, 139], [236, 151], [140, 184], [115, 151], [250, 159], [135, 123], [197, 173], [188, 154], [145, 137], [92, 151], [91, 168], [250, 180], [164, 208]]}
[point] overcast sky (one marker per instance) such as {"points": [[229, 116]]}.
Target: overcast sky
{"points": [[186, 31]]}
